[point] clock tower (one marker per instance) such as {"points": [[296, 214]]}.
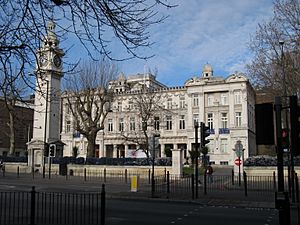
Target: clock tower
{"points": [[46, 125]]}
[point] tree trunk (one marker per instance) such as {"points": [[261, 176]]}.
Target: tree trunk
{"points": [[91, 147]]}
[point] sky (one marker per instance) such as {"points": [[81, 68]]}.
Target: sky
{"points": [[197, 32]]}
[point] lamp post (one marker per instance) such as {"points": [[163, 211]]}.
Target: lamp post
{"points": [[196, 126], [153, 159]]}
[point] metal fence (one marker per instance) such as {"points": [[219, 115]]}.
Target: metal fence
{"points": [[47, 208]]}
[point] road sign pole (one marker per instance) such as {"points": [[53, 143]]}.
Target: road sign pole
{"points": [[239, 171]]}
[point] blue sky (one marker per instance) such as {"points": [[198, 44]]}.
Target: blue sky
{"points": [[198, 32]]}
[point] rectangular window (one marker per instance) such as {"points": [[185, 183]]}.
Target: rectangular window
{"points": [[210, 120], [196, 118], [210, 100], [156, 123], [224, 99], [68, 126], [237, 97], [169, 122], [68, 110], [130, 105], [121, 124], [224, 146], [169, 103], [195, 100], [224, 120], [119, 106], [110, 125], [132, 123], [238, 119], [181, 122], [182, 102]]}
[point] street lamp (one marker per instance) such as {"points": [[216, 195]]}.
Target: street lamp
{"points": [[153, 159]]}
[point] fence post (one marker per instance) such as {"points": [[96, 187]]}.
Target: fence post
{"points": [[168, 182], [103, 205], [149, 177], [165, 174], [274, 181], [193, 186], [84, 174], [32, 206], [245, 183], [205, 183], [125, 176], [232, 177], [18, 172], [104, 175], [297, 196]]}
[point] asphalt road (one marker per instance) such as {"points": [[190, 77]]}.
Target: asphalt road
{"points": [[130, 212]]}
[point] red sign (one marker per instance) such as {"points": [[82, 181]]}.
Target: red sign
{"points": [[238, 162]]}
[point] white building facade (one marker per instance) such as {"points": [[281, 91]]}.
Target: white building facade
{"points": [[226, 105]]}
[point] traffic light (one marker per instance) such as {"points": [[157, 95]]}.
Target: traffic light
{"points": [[204, 133], [52, 149], [285, 142], [295, 125]]}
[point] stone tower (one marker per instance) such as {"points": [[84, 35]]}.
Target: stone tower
{"points": [[46, 126]]}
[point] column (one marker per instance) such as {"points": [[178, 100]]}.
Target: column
{"points": [[126, 150], [101, 145], [162, 150], [177, 162], [115, 151]]}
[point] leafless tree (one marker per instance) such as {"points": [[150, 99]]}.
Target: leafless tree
{"points": [[89, 98], [276, 45], [148, 108], [94, 23]]}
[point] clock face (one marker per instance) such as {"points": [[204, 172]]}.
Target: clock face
{"points": [[43, 60], [57, 61]]}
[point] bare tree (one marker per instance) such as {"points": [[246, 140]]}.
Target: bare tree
{"points": [[147, 106], [94, 23], [276, 45], [88, 99]]}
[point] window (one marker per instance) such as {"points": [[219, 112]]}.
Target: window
{"points": [[196, 118], [110, 125], [238, 119], [224, 120], [237, 97], [224, 99], [67, 109], [132, 123], [130, 105], [181, 122], [68, 126], [169, 103], [224, 146], [195, 100], [182, 102], [210, 100], [210, 120], [121, 124], [156, 123], [119, 106], [169, 122]]}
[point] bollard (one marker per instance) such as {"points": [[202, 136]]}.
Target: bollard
{"points": [[193, 186], [104, 174], [245, 183], [32, 205], [125, 176], [232, 177], [168, 182], [103, 205], [84, 174]]}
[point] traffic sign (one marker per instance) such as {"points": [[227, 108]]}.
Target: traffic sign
{"points": [[238, 161]]}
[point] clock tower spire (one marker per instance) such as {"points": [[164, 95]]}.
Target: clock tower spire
{"points": [[46, 128]]}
